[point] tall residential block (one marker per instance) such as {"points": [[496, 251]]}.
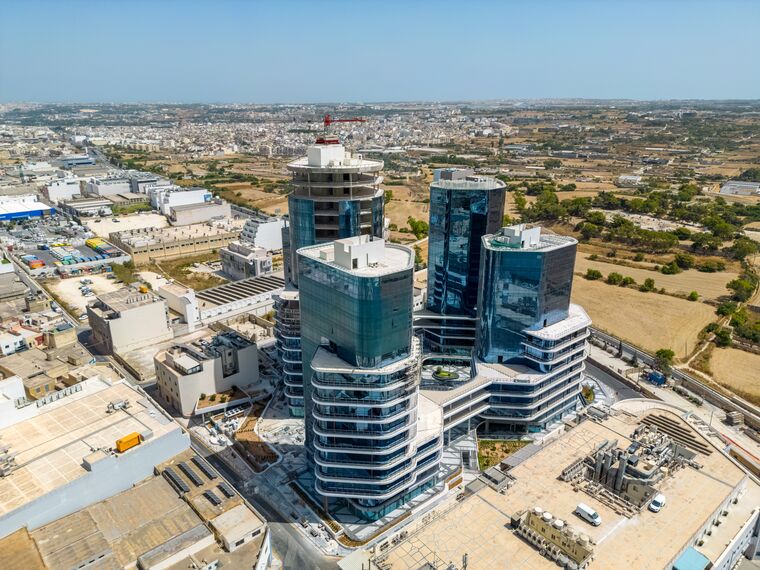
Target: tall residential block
{"points": [[463, 208], [374, 441], [335, 194]]}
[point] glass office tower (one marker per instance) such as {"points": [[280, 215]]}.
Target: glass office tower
{"points": [[334, 195], [374, 442], [531, 340], [463, 208]]}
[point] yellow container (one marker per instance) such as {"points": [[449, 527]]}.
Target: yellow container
{"points": [[128, 442]]}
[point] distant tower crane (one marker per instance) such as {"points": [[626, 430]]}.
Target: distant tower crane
{"points": [[329, 120]]}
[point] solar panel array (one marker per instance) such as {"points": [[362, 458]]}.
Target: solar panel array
{"points": [[176, 480], [192, 475], [213, 499], [204, 467], [226, 490], [238, 290]]}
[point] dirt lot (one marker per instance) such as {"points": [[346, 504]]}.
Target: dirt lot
{"points": [[134, 222], [648, 320], [738, 371], [68, 290], [708, 285]]}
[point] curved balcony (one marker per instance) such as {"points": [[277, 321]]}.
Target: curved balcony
{"points": [[348, 490], [370, 383], [293, 392], [405, 426], [376, 459], [532, 417], [547, 357], [570, 339], [395, 398], [349, 445], [353, 418], [370, 478]]}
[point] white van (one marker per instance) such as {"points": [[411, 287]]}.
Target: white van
{"points": [[588, 514]]}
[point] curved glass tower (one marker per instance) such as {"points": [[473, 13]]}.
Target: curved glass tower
{"points": [[374, 441], [463, 208], [531, 340], [334, 195]]}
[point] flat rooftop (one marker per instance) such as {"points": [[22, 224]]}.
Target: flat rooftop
{"points": [[126, 298], [481, 183], [149, 522], [326, 361], [395, 258], [141, 237], [647, 540], [577, 318], [50, 447], [239, 290]]}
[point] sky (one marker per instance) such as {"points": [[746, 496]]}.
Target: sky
{"points": [[326, 51]]}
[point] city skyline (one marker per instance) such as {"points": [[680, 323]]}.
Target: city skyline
{"points": [[235, 52]]}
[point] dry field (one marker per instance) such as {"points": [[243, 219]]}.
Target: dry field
{"points": [[737, 370], [648, 320], [708, 285]]}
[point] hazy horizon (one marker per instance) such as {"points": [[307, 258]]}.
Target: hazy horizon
{"points": [[298, 52]]}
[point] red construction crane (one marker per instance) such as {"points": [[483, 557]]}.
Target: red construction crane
{"points": [[329, 120]]}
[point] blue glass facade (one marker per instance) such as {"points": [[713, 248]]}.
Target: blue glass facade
{"points": [[523, 289], [361, 377], [459, 218]]}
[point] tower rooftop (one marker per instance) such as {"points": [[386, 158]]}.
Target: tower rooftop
{"points": [[521, 237], [363, 256]]}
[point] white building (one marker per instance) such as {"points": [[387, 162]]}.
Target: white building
{"points": [[210, 365], [187, 214], [740, 188], [263, 231], [241, 260], [127, 319], [108, 186], [164, 198], [63, 189], [62, 457], [629, 181]]}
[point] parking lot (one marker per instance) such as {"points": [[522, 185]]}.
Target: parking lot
{"points": [[68, 290]]}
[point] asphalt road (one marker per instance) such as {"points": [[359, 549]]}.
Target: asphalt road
{"points": [[623, 392]]}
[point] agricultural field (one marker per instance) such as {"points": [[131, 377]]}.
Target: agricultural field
{"points": [[648, 320], [737, 370], [708, 285]]}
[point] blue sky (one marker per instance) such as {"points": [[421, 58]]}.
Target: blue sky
{"points": [[364, 51]]}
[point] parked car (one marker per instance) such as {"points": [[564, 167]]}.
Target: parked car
{"points": [[657, 503], [83, 317]]}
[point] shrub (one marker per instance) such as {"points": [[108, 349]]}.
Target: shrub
{"points": [[203, 396], [710, 266], [638, 257], [647, 286], [693, 296], [684, 260], [212, 398], [725, 309], [711, 328], [627, 281], [614, 278], [593, 274], [670, 269]]}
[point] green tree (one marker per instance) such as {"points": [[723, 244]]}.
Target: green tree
{"points": [[742, 289], [550, 163], [723, 338], [743, 247], [693, 296], [663, 360], [388, 196]]}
